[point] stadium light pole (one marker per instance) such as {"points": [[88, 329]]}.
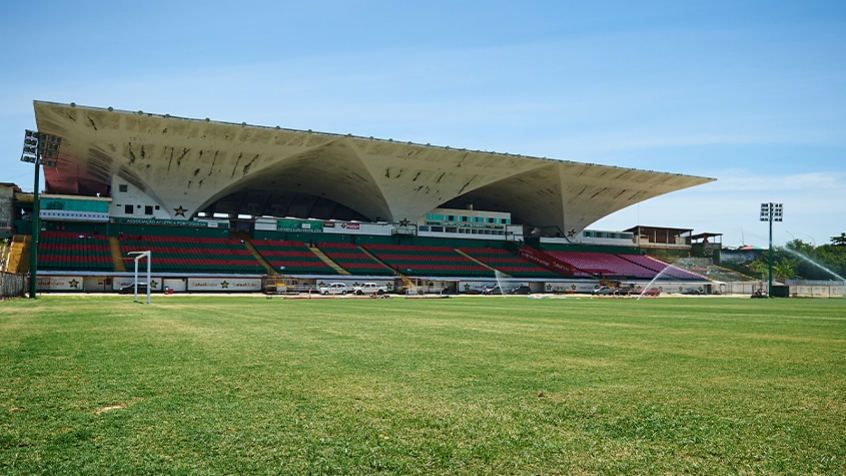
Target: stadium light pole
{"points": [[39, 149], [771, 212]]}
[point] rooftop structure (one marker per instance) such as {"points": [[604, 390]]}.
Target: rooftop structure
{"points": [[186, 166]]}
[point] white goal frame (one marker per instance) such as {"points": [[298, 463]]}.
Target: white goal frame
{"points": [[139, 255]]}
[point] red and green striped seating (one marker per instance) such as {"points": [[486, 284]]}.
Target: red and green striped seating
{"points": [[192, 254], [602, 264], [660, 266], [415, 260], [59, 250], [352, 259], [291, 257], [509, 263]]}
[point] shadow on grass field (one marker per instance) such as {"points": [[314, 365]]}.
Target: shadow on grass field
{"points": [[210, 385]]}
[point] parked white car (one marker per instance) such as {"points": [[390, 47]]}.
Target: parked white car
{"points": [[333, 288], [370, 288]]}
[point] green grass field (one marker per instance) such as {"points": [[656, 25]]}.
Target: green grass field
{"points": [[240, 385]]}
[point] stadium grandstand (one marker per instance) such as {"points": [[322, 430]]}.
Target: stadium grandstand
{"points": [[221, 203]]}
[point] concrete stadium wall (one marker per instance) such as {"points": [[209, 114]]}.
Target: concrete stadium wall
{"points": [[818, 291]]}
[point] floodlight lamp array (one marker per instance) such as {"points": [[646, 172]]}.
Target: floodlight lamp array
{"points": [[772, 211], [41, 146]]}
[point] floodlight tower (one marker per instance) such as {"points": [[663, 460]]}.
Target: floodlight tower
{"points": [[39, 149], [771, 212]]}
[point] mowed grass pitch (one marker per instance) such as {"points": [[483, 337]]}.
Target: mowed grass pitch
{"points": [[240, 385]]}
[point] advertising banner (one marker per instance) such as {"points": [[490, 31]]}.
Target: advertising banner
{"points": [[229, 285], [184, 223], [351, 226], [474, 286], [118, 283], [300, 226], [575, 287], [59, 283]]}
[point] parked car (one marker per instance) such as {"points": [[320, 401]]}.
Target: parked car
{"points": [[130, 289], [522, 289], [370, 288], [654, 292], [603, 291], [693, 291], [333, 288], [495, 289]]}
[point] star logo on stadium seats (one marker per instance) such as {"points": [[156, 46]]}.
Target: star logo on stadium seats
{"points": [[153, 284], [571, 233], [404, 222], [73, 283], [224, 284], [180, 212]]}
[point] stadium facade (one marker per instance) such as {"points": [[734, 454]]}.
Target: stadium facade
{"points": [[135, 173]]}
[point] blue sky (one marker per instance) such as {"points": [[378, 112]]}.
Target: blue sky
{"points": [[750, 93]]}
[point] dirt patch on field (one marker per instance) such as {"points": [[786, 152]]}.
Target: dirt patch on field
{"points": [[108, 409], [119, 406]]}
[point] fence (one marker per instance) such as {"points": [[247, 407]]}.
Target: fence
{"points": [[818, 289], [741, 287], [13, 285]]}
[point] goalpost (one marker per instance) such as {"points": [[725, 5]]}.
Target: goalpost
{"points": [[139, 255]]}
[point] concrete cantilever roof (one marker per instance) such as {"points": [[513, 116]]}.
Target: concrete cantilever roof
{"points": [[191, 163]]}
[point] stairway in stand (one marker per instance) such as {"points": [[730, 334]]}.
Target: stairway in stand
{"points": [[19, 254], [328, 261], [117, 257], [479, 262], [260, 258], [374, 258]]}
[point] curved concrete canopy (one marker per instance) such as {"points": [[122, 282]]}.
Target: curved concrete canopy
{"points": [[191, 163]]}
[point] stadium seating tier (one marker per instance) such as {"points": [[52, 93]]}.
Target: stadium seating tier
{"points": [[192, 254], [417, 260], [74, 252], [509, 263], [292, 257], [352, 259]]}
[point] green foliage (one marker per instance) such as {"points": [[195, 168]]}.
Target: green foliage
{"points": [[784, 268], [831, 256], [241, 385], [759, 267]]}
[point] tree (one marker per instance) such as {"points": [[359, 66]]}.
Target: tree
{"points": [[801, 257], [759, 267], [801, 247], [784, 268]]}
